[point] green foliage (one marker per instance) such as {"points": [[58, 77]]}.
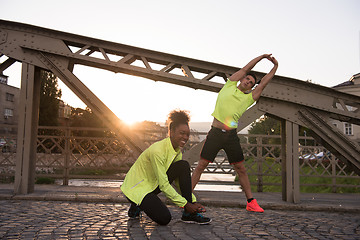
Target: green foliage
{"points": [[276, 181], [50, 95], [44, 180], [7, 179], [265, 126], [86, 118]]}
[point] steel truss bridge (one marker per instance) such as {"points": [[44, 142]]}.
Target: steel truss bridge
{"points": [[293, 101]]}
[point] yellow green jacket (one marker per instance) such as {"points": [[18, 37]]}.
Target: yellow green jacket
{"points": [[149, 171]]}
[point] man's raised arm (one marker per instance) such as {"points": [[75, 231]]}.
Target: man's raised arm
{"points": [[237, 76], [265, 80]]}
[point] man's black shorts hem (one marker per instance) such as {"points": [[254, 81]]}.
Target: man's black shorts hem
{"points": [[218, 139]]}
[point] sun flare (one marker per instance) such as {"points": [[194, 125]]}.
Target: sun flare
{"points": [[130, 122]]}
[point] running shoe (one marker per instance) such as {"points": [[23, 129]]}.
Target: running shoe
{"points": [[195, 218], [253, 206], [134, 211]]}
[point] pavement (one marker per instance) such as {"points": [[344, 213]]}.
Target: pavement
{"points": [[70, 212]]}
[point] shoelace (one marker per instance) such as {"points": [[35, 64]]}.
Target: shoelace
{"points": [[200, 215]]}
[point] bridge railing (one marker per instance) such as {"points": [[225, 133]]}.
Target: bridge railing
{"points": [[70, 153]]}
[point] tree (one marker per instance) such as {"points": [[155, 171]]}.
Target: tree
{"points": [[271, 126], [50, 95], [85, 118], [266, 126]]}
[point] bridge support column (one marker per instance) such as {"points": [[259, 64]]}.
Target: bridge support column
{"points": [[27, 129], [290, 162]]}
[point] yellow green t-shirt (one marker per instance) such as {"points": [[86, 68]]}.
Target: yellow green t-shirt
{"points": [[149, 172], [231, 103]]}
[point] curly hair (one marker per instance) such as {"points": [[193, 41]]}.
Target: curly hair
{"points": [[177, 117]]}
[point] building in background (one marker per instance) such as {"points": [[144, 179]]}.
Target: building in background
{"points": [[9, 101], [352, 87], [64, 113]]}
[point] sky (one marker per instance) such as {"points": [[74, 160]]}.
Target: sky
{"points": [[312, 40]]}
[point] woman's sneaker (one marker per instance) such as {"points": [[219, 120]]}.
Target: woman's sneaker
{"points": [[195, 218], [134, 211]]}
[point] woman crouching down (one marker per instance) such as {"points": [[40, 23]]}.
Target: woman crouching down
{"points": [[154, 171]]}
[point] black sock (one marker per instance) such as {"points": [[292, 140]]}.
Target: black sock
{"points": [[250, 199]]}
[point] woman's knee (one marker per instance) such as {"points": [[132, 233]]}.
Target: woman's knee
{"points": [[164, 219], [155, 209], [183, 164]]}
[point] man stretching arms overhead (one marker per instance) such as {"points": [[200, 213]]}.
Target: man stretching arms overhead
{"points": [[232, 101]]}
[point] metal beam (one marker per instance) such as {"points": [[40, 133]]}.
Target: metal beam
{"points": [[161, 67], [27, 129], [58, 66], [283, 97], [292, 163], [7, 63], [329, 136]]}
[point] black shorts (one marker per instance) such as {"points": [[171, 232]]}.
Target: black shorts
{"points": [[218, 139]]}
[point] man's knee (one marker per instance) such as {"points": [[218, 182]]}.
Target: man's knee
{"points": [[202, 164], [240, 167]]}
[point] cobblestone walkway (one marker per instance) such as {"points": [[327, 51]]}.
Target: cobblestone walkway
{"points": [[78, 220]]}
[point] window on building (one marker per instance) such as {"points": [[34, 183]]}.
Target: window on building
{"points": [[348, 129], [8, 112], [9, 97], [3, 79]]}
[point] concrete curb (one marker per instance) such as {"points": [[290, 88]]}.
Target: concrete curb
{"points": [[269, 201]]}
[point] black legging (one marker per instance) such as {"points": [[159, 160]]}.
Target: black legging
{"points": [[154, 207]]}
